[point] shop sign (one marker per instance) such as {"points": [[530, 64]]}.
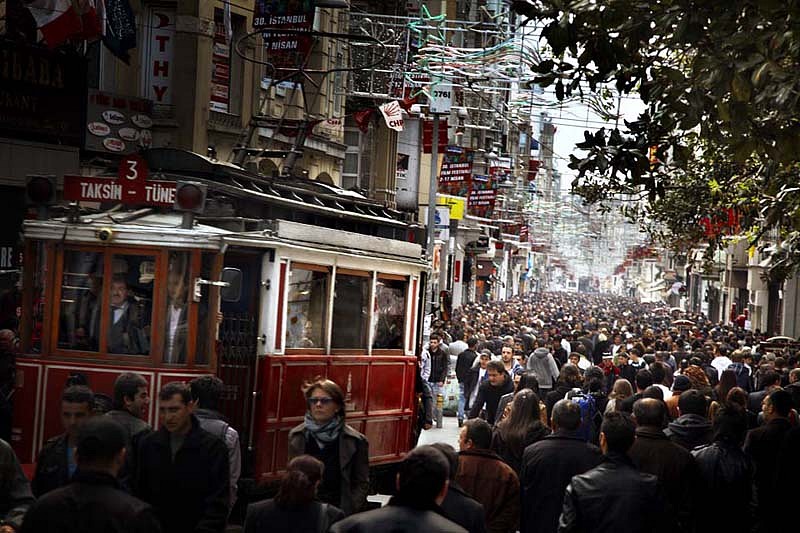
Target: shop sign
{"points": [[117, 124], [160, 51], [285, 50], [42, 94]]}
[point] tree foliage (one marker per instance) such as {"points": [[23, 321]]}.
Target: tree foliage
{"points": [[721, 82]]}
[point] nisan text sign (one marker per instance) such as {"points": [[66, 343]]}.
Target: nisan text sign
{"points": [[85, 189]]}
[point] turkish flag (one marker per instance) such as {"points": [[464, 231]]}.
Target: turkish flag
{"points": [[362, 118], [61, 20]]}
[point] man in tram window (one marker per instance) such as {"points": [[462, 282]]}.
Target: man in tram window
{"points": [[56, 462], [88, 326], [126, 334], [177, 315]]}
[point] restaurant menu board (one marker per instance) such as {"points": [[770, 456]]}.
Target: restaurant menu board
{"points": [[220, 71], [117, 124]]}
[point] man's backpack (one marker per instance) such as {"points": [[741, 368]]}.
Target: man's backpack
{"points": [[589, 413]]}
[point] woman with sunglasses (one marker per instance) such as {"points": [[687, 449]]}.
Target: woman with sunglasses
{"points": [[343, 450]]}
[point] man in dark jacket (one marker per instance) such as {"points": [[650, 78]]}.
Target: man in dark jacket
{"points": [[463, 366], [94, 500], [440, 366], [490, 391], [15, 492], [421, 489], [726, 475], [56, 462], [771, 382], [643, 380], [485, 477], [691, 428], [182, 470], [599, 501], [458, 506], [653, 453], [131, 399], [8, 373], [763, 446], [548, 466]]}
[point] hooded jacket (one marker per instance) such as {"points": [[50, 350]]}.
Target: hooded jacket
{"points": [[544, 366], [689, 431]]}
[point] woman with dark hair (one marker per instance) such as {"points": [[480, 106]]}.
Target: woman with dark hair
{"points": [[726, 473], [521, 429], [522, 380], [342, 449], [569, 378], [295, 507], [727, 382], [739, 397]]}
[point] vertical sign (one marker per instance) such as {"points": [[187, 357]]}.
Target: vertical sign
{"points": [[220, 69], [160, 54]]}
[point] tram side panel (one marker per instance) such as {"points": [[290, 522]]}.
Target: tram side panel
{"points": [[379, 392]]}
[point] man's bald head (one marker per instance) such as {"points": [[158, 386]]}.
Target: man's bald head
{"points": [[649, 412]]}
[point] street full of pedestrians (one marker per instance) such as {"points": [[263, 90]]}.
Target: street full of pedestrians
{"points": [[569, 412]]}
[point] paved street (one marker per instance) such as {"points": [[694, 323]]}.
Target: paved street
{"points": [[448, 433]]}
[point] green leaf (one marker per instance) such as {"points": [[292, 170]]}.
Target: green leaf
{"points": [[740, 88]]}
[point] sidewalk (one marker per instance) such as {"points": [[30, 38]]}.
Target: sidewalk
{"points": [[447, 434]]}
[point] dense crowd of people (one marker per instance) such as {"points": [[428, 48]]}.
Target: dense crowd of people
{"points": [[576, 413]]}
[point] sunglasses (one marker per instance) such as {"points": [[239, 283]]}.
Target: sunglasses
{"points": [[323, 401]]}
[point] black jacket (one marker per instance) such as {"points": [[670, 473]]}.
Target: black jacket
{"points": [[470, 383], [726, 478], [93, 501], [547, 468], [15, 491], [491, 396], [52, 471], [440, 365], [314, 517], [602, 501], [464, 364], [459, 507], [653, 453], [397, 517], [762, 446], [190, 493], [689, 431]]}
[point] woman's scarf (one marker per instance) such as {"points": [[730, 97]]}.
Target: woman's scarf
{"points": [[324, 433]]}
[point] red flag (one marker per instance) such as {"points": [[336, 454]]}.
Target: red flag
{"points": [[362, 117], [407, 102], [62, 20]]}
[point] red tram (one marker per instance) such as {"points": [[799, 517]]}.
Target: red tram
{"points": [[320, 281]]}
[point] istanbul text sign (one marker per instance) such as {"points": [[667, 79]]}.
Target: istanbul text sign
{"points": [[85, 189]]}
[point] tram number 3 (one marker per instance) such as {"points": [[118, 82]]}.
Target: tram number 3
{"points": [[132, 168]]}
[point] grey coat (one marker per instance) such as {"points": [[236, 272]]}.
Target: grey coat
{"points": [[353, 461], [544, 366]]}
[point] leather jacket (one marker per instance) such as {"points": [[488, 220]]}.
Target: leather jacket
{"points": [[726, 474], [599, 501]]}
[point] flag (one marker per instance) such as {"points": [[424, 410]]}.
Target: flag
{"points": [[393, 115], [58, 20], [120, 29], [362, 117]]}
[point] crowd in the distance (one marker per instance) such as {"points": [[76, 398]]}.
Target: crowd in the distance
{"points": [[594, 413]]}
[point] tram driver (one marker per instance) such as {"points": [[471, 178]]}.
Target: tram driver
{"points": [[126, 331]]}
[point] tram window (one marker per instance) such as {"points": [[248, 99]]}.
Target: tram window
{"points": [[350, 311], [80, 306], [307, 302], [205, 318], [390, 314], [37, 316], [177, 313], [131, 304]]}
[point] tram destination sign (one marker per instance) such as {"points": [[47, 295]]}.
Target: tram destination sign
{"points": [[149, 192]]}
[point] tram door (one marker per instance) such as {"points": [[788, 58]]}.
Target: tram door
{"points": [[237, 346]]}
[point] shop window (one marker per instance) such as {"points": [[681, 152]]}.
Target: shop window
{"points": [[307, 304], [130, 304], [350, 311], [390, 313], [81, 302]]}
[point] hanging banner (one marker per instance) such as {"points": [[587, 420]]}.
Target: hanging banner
{"points": [[285, 51], [160, 51], [455, 172], [482, 196], [393, 115], [427, 136]]}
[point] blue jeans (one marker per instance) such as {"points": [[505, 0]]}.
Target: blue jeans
{"points": [[461, 401], [436, 390]]}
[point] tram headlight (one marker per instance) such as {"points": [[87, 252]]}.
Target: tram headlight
{"points": [[105, 234]]}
